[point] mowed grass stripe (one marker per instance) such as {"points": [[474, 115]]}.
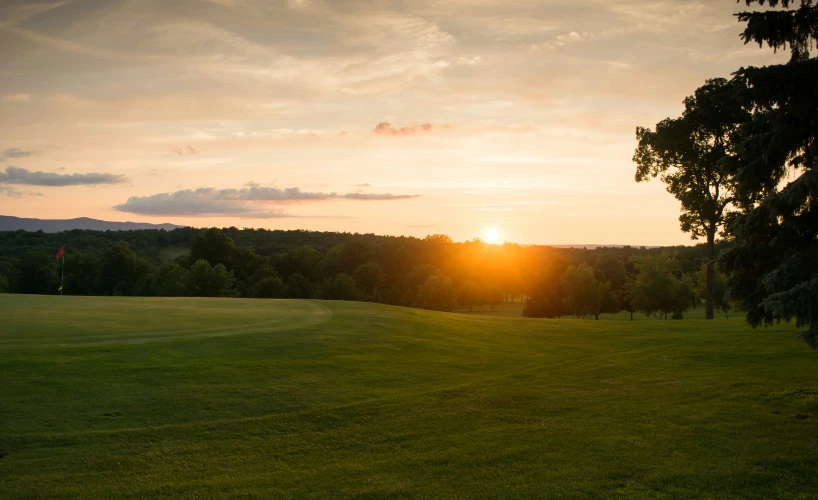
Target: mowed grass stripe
{"points": [[62, 323]]}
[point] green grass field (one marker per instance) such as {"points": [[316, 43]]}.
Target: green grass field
{"points": [[208, 398]]}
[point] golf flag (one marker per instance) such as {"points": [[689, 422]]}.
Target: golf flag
{"points": [[62, 251], [59, 289]]}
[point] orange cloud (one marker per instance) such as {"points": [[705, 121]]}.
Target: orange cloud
{"points": [[386, 128]]}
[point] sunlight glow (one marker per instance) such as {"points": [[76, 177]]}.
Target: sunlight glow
{"points": [[492, 236]]}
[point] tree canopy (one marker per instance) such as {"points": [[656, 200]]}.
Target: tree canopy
{"points": [[691, 155], [774, 259]]}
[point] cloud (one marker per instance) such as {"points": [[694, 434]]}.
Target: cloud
{"points": [[386, 128], [10, 191], [371, 197], [574, 37], [200, 202], [249, 202], [16, 153], [365, 185], [255, 192], [15, 193], [14, 175], [16, 98], [187, 150], [469, 61]]}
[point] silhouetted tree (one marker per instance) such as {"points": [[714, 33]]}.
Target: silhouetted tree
{"points": [[210, 281], [123, 272], [438, 293], [659, 290], [545, 294], [213, 246], [691, 154], [414, 280], [329, 265], [300, 260], [369, 276], [37, 273], [270, 287], [355, 253], [583, 295], [81, 274], [493, 295], [341, 287], [469, 294], [170, 280], [299, 286], [612, 269], [611, 273], [774, 263], [719, 285]]}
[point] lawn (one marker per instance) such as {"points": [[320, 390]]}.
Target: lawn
{"points": [[208, 398]]}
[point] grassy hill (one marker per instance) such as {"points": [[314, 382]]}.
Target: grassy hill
{"points": [[138, 397]]}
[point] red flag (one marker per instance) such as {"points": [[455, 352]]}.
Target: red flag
{"points": [[62, 251]]}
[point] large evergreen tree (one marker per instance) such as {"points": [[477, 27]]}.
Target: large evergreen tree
{"points": [[774, 261]]}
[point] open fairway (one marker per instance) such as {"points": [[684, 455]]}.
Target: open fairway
{"points": [[144, 398]]}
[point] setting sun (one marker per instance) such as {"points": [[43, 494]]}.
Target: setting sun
{"points": [[492, 236]]}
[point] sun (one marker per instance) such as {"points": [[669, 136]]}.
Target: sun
{"points": [[492, 235]]}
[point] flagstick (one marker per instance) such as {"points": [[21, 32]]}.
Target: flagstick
{"points": [[62, 278]]}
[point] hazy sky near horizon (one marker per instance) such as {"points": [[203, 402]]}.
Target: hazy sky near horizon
{"points": [[394, 117]]}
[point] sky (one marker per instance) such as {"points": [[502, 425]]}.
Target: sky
{"points": [[471, 118]]}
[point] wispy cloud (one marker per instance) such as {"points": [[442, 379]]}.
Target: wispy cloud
{"points": [[14, 175], [187, 150], [249, 202], [376, 197], [10, 191], [386, 128], [16, 153], [16, 98], [255, 192], [16, 193]]}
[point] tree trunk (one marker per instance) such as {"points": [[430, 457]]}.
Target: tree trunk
{"points": [[710, 295], [631, 315], [596, 317]]}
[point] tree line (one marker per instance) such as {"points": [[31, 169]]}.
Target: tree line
{"points": [[653, 284], [433, 272]]}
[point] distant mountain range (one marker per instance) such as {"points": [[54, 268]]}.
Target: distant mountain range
{"points": [[9, 223]]}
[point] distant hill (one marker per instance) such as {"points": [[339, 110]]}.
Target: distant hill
{"points": [[9, 223]]}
